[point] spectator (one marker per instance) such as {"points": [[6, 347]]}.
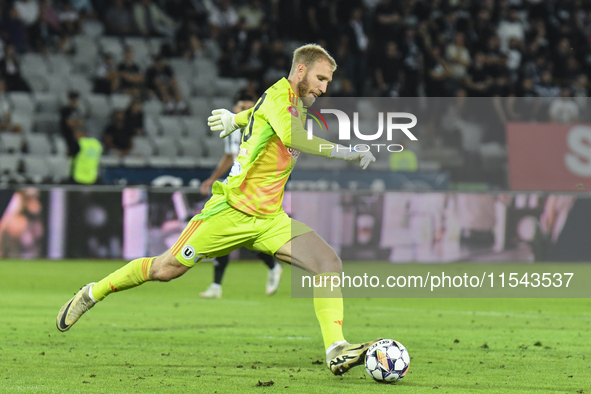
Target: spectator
{"points": [[13, 30], [69, 19], [389, 71], [223, 16], [359, 42], [438, 75], [160, 80], [131, 80], [118, 19], [458, 57], [72, 123], [107, 76], [11, 72], [581, 90], [494, 58], [5, 115], [510, 27], [478, 81], [151, 20], [118, 138], [546, 87], [253, 65], [252, 14], [564, 109], [84, 7], [193, 49], [412, 65], [134, 118]]}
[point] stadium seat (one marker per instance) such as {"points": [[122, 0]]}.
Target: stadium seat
{"points": [[57, 84], [186, 162], [141, 49], [60, 64], [60, 146], [155, 45], [36, 168], [160, 162], [48, 123], [79, 83], [95, 127], [110, 161], [60, 167], [92, 28], [113, 46], [166, 146], [38, 83], [134, 161], [214, 147], [11, 142], [202, 86], [23, 119], [9, 164], [205, 68], [191, 147], [33, 64], [222, 102], [228, 87], [98, 105], [170, 127], [22, 102], [153, 107], [151, 126], [142, 146], [194, 126], [46, 102], [120, 101], [201, 107], [38, 144]]}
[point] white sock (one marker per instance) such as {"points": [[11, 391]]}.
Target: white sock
{"points": [[90, 294], [334, 345], [216, 286]]}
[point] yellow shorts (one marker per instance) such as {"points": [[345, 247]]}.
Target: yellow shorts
{"points": [[222, 229]]}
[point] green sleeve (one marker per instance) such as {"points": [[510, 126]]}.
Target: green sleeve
{"points": [[242, 118], [290, 130]]}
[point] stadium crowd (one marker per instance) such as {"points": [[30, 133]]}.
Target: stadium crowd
{"points": [[406, 48]]}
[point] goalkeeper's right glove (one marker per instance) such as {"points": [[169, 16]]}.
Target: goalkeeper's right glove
{"points": [[223, 121], [344, 153]]}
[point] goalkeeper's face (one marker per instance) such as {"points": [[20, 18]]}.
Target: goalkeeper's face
{"points": [[314, 82]]}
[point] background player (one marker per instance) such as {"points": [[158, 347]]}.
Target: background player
{"points": [[231, 150], [246, 210]]}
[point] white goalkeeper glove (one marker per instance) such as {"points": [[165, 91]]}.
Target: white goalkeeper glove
{"points": [[223, 121], [349, 154]]}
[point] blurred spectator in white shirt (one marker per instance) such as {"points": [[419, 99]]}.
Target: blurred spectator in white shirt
{"points": [[564, 109]]}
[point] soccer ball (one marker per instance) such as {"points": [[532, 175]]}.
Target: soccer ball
{"points": [[387, 361]]}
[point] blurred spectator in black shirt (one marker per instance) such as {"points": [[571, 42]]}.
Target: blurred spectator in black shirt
{"points": [[131, 79], [106, 80], [546, 87], [389, 71], [118, 19], [161, 81], [134, 118], [10, 70], [71, 123], [494, 59], [438, 81], [117, 136], [478, 81]]}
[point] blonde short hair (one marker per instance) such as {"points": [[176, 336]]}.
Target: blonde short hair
{"points": [[308, 55]]}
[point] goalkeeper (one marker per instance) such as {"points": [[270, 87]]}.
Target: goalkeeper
{"points": [[246, 210]]}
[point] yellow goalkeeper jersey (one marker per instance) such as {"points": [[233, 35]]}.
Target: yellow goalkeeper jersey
{"points": [[273, 138]]}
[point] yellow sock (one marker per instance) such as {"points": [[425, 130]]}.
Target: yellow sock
{"points": [[131, 275], [328, 304]]}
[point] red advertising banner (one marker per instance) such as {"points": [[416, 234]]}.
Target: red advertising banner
{"points": [[549, 156]]}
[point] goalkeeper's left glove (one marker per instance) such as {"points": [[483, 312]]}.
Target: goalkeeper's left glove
{"points": [[344, 153], [223, 121]]}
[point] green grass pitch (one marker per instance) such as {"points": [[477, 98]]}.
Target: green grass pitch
{"points": [[162, 338]]}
